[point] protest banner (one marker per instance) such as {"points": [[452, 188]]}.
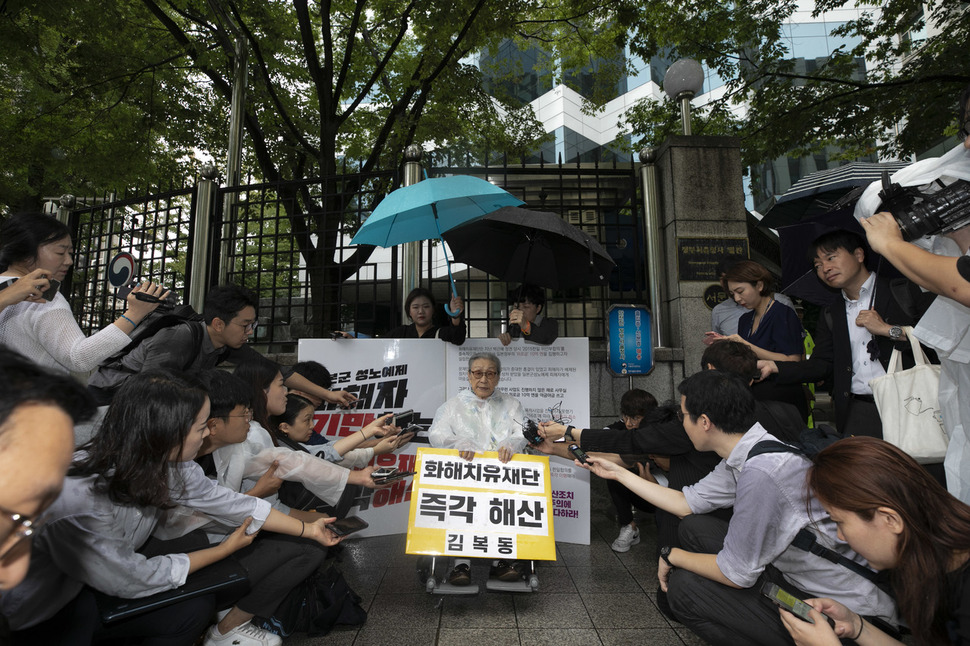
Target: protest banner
{"points": [[552, 383], [481, 508], [392, 375]]}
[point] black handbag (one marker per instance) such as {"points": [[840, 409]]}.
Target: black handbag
{"points": [[323, 600]]}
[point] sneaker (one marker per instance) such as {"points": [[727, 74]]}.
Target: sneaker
{"points": [[242, 635], [505, 571], [629, 536], [461, 575]]}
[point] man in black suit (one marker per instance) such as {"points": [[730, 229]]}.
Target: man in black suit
{"points": [[856, 334]]}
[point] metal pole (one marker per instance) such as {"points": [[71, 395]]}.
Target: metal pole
{"points": [[410, 251], [685, 111], [202, 236], [234, 159], [653, 258]]}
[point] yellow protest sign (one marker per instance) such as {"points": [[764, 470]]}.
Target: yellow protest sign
{"points": [[482, 508]]}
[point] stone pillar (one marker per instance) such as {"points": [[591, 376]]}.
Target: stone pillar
{"points": [[702, 216]]}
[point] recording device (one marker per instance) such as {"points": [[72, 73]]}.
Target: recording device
{"points": [[531, 432], [336, 335], [921, 214], [148, 298], [347, 525], [790, 602], [394, 477], [404, 418], [386, 475], [515, 330], [579, 454]]}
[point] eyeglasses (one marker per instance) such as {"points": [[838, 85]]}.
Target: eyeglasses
{"points": [[478, 374], [249, 327], [248, 415], [23, 528], [680, 416]]}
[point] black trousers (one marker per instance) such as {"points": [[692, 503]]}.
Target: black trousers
{"points": [[862, 419], [719, 614], [624, 501], [79, 624], [276, 564]]}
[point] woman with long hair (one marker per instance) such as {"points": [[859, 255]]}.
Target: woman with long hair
{"points": [[240, 466], [38, 248], [897, 516], [294, 427], [137, 465]]}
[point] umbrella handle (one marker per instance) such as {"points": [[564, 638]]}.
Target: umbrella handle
{"points": [[454, 290]]}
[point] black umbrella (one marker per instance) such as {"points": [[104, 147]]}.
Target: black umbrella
{"points": [[798, 276], [519, 245], [821, 191]]}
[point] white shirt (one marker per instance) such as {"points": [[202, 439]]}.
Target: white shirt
{"points": [[88, 539], [864, 368], [47, 334]]}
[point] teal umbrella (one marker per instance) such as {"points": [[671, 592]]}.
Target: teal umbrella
{"points": [[425, 210]]}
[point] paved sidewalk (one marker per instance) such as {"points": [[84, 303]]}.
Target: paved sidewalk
{"points": [[589, 596]]}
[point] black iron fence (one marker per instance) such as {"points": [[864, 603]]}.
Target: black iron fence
{"points": [[289, 241]]}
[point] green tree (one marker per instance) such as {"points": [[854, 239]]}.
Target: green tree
{"points": [[910, 86], [91, 99]]}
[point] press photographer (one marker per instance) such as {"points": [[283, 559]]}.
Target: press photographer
{"points": [[942, 207]]}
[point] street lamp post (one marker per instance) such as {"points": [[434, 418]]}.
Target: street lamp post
{"points": [[683, 80]]}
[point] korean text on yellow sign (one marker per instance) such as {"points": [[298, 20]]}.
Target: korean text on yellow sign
{"points": [[481, 508]]}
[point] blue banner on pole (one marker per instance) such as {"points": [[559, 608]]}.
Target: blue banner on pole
{"points": [[630, 347]]}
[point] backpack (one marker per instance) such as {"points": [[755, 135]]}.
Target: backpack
{"points": [[322, 601], [164, 316], [811, 442]]}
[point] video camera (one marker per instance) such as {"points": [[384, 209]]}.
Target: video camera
{"points": [[921, 214]]}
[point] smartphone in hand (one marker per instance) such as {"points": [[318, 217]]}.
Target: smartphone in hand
{"points": [[403, 418], [347, 525], [791, 603]]}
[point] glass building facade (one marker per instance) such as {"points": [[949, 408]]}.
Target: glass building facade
{"points": [[516, 75]]}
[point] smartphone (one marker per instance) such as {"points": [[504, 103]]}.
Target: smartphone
{"points": [[578, 453], [383, 472], [347, 525], [52, 290], [394, 477], [403, 418], [788, 601]]}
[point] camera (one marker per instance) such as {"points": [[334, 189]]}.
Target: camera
{"points": [[921, 214]]}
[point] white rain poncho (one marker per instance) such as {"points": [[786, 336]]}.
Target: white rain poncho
{"points": [[467, 422], [945, 326]]}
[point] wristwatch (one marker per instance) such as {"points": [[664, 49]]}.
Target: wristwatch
{"points": [[665, 554], [895, 333], [568, 435]]}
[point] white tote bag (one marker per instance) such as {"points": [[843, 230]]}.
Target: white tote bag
{"points": [[908, 403]]}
